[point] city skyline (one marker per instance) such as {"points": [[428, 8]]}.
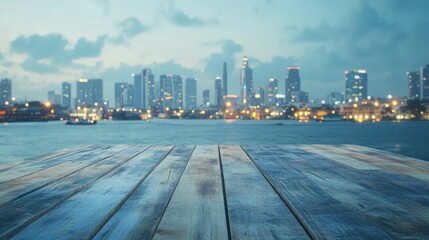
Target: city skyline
{"points": [[324, 38]]}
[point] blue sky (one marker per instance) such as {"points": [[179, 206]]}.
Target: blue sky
{"points": [[43, 43]]}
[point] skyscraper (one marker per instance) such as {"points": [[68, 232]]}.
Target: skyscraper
{"points": [[413, 85], [293, 82], [53, 98], [356, 85], [144, 87], [150, 89], [66, 95], [139, 91], [206, 97], [124, 94], [218, 92], [424, 74], [89, 92], [259, 97], [171, 91], [271, 90], [246, 82], [224, 80], [5, 91], [191, 93]]}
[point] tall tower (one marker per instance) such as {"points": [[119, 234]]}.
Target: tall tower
{"points": [[272, 90], [124, 94], [246, 82], [224, 80], [293, 82], [66, 95], [171, 91], [206, 97], [5, 91], [356, 85], [218, 92], [89, 92], [139, 91], [150, 89], [191, 93], [424, 74], [413, 85]]}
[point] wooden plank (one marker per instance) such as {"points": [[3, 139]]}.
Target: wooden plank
{"points": [[383, 162], [418, 164], [388, 200], [21, 212], [44, 157], [196, 209], [255, 210], [26, 184], [86, 212], [322, 215], [36, 166], [351, 162], [142, 212]]}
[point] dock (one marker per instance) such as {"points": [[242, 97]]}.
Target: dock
{"points": [[215, 192]]}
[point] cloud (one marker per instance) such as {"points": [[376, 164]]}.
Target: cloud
{"points": [[131, 27], [1, 57], [214, 63], [46, 53], [179, 18], [321, 32], [105, 5]]}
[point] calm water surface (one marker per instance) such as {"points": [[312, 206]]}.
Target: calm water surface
{"points": [[22, 140]]}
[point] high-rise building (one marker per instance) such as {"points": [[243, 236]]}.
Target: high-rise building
{"points": [[191, 93], [124, 94], [171, 91], [224, 80], [246, 82], [53, 98], [89, 92], [144, 89], [259, 99], [413, 85], [293, 82], [206, 97], [335, 98], [66, 95], [5, 91], [272, 89], [139, 91], [218, 92], [424, 74], [356, 85], [299, 97], [150, 89]]}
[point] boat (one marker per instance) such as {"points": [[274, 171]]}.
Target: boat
{"points": [[80, 119]]}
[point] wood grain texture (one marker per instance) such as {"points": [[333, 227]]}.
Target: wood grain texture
{"points": [[255, 210], [196, 209], [86, 212], [140, 215], [307, 194], [19, 213]]}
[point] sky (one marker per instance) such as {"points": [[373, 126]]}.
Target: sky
{"points": [[46, 42]]}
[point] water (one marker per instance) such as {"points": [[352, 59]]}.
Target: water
{"points": [[23, 140]]}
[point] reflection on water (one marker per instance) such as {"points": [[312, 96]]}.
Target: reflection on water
{"points": [[23, 140]]}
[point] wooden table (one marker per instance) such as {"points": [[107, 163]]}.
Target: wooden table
{"points": [[215, 192]]}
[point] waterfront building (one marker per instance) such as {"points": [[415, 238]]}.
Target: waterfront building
{"points": [[171, 91], [292, 83], [124, 94], [246, 80], [335, 98], [5, 92], [259, 99], [424, 74], [356, 85], [413, 85], [54, 99], [191, 93], [224, 80], [139, 92], [89, 92], [299, 97], [206, 97], [144, 89], [280, 99], [271, 90], [66, 95], [218, 92]]}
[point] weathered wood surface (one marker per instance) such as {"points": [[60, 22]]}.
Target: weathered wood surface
{"points": [[215, 192]]}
